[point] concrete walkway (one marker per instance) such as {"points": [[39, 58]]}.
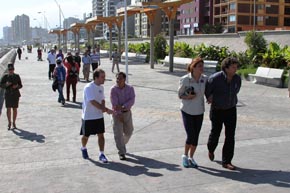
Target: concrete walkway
{"points": [[43, 154]]}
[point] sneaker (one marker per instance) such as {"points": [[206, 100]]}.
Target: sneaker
{"points": [[185, 162], [192, 163], [103, 159], [85, 153]]}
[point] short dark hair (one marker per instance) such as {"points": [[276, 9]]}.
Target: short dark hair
{"points": [[122, 74], [97, 73], [228, 61]]}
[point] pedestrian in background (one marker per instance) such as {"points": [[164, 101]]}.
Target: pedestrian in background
{"points": [[191, 92], [86, 59], [95, 59], [122, 99], [77, 58], [59, 74], [11, 82], [51, 62], [115, 58], [60, 54], [19, 52], [72, 75], [221, 92], [93, 108]]}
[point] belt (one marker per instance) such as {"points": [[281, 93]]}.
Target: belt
{"points": [[125, 111]]}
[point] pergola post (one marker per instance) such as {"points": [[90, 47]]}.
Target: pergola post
{"points": [[171, 13], [151, 15]]}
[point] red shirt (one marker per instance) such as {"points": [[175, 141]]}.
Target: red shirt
{"points": [[72, 70]]}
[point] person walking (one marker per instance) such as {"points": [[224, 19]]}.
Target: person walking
{"points": [[95, 59], [60, 54], [93, 108], [51, 61], [191, 92], [78, 59], [122, 98], [221, 92], [86, 59], [19, 52], [59, 74], [11, 82], [115, 58], [71, 76]]}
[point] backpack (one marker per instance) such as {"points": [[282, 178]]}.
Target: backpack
{"points": [[73, 72]]}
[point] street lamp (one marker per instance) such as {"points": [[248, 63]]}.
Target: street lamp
{"points": [[126, 41]]}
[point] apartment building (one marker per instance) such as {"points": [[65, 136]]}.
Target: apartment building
{"points": [[21, 28], [244, 15], [194, 15]]}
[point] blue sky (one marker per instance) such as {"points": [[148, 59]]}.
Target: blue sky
{"points": [[70, 8]]}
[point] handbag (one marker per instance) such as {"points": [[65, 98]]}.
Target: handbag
{"points": [[54, 84]]}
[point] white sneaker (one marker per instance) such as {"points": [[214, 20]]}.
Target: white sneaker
{"points": [[192, 163], [185, 162]]}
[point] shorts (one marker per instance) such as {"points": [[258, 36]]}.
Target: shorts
{"points": [[92, 127]]}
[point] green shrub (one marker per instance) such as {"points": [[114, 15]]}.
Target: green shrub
{"points": [[257, 45], [246, 71], [182, 49], [160, 44]]}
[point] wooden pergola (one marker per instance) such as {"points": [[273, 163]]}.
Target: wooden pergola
{"points": [[75, 28], [169, 7]]}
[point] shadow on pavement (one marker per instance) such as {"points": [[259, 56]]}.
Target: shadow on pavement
{"points": [[28, 135], [76, 105], [251, 176], [145, 164]]}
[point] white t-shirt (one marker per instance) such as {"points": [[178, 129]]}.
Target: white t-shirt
{"points": [[92, 92], [196, 105]]}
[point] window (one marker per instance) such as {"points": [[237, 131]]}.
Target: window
{"points": [[232, 18]]}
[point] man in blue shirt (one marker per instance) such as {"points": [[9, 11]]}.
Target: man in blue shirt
{"points": [[221, 92]]}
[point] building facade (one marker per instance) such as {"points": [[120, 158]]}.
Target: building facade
{"points": [[194, 15], [244, 15], [7, 35], [21, 29], [66, 24]]}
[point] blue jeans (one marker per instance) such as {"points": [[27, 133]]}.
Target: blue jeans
{"points": [[60, 92]]}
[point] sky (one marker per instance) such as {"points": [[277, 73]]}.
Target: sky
{"points": [[70, 8]]}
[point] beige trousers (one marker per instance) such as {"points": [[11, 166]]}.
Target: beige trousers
{"points": [[86, 71], [123, 129]]}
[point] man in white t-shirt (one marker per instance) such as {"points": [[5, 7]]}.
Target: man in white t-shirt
{"points": [[93, 108]]}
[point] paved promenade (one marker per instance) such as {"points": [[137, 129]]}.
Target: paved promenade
{"points": [[43, 154]]}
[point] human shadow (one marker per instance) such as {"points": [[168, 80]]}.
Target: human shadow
{"points": [[143, 167], [28, 135], [251, 176], [73, 105]]}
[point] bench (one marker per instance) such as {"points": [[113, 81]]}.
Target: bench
{"points": [[179, 62], [268, 76], [134, 56]]}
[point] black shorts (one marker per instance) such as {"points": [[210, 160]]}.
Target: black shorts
{"points": [[92, 127]]}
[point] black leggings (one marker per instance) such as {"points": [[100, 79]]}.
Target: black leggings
{"points": [[50, 70], [192, 125]]}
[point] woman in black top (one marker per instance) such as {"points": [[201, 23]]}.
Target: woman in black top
{"points": [[11, 82]]}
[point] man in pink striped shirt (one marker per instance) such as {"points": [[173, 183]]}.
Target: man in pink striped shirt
{"points": [[122, 99]]}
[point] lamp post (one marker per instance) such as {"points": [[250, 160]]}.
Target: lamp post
{"points": [[254, 21], [126, 41]]}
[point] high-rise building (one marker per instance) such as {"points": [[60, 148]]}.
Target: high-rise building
{"points": [[66, 24], [98, 11], [7, 35], [142, 24], [194, 15], [21, 29], [244, 15]]}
